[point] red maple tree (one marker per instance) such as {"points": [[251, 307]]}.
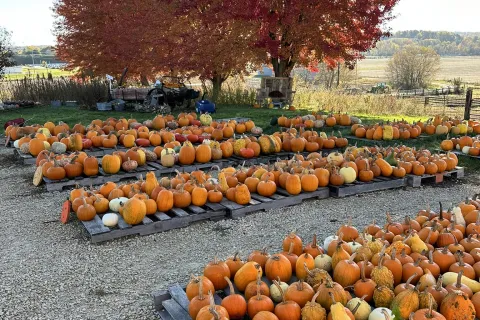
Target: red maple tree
{"points": [[214, 39]]}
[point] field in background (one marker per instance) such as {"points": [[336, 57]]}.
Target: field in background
{"points": [[467, 68], [32, 72]]}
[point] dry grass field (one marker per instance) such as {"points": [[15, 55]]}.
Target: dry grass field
{"points": [[467, 68]]}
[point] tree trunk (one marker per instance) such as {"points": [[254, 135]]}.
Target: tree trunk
{"points": [[282, 67], [144, 80], [217, 82]]}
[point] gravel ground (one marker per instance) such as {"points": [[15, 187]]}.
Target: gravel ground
{"points": [[51, 271]]}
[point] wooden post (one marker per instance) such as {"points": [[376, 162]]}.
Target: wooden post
{"points": [[468, 104]]}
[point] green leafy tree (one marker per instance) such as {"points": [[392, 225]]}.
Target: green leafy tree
{"points": [[6, 53]]}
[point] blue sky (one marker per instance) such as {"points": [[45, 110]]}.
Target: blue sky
{"points": [[31, 21]]}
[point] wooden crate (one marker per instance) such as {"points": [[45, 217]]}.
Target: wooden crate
{"points": [[358, 187], [158, 222], [417, 181]]}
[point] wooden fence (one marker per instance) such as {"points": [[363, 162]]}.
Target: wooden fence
{"points": [[430, 92]]}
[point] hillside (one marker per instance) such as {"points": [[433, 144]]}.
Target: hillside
{"points": [[444, 43]]}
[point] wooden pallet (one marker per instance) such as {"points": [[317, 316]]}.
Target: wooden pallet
{"points": [[459, 153], [24, 157], [417, 181], [172, 303], [278, 200], [357, 187], [380, 142], [158, 222]]}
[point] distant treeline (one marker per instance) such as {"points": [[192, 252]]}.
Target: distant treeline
{"points": [[444, 43]]}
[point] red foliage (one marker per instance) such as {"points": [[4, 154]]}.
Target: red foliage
{"points": [[214, 39]]}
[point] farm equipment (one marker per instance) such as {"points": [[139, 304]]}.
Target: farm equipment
{"points": [[167, 94], [204, 106], [380, 88]]}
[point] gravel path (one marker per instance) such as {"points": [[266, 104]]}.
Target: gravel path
{"points": [[51, 271]]}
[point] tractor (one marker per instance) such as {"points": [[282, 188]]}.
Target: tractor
{"points": [[380, 88]]}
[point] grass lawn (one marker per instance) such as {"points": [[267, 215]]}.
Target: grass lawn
{"points": [[261, 117]]}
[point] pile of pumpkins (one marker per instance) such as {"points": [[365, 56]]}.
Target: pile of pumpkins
{"points": [[79, 163], [420, 268], [146, 197], [404, 130], [466, 144], [122, 132], [316, 120]]}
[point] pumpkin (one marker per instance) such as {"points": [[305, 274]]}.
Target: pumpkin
{"points": [[235, 304], [457, 305], [134, 210], [86, 211], [111, 164], [216, 271], [246, 274], [278, 266], [259, 303], [110, 219], [242, 194]]}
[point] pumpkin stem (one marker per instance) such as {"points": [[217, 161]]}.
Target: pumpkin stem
{"points": [[314, 298], [352, 257], [410, 280], [314, 241], [460, 259], [438, 286], [332, 297], [259, 296], [356, 307], [200, 289], [230, 285], [385, 314], [362, 270], [430, 256], [307, 270], [277, 284]]}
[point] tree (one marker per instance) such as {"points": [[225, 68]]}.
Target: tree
{"points": [[413, 67], [6, 53], [101, 37], [306, 32]]}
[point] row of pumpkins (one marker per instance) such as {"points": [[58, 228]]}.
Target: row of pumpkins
{"points": [[128, 133], [296, 175], [316, 120], [466, 144], [403, 130], [421, 268]]}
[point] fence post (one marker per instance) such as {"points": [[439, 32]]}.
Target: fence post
{"points": [[426, 100], [468, 104]]}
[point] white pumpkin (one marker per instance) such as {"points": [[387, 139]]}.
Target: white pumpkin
{"points": [[116, 203], [110, 219], [59, 147], [275, 293], [377, 314], [327, 241], [335, 158], [355, 120], [466, 149], [363, 311], [458, 216], [354, 246], [324, 262], [16, 143], [319, 123]]}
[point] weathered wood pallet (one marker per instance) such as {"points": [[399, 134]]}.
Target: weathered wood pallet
{"points": [[458, 153], [172, 303], [23, 157], [278, 200], [357, 187], [417, 181], [158, 222]]}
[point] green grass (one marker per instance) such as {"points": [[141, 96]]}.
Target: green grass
{"points": [[31, 73], [261, 117]]}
